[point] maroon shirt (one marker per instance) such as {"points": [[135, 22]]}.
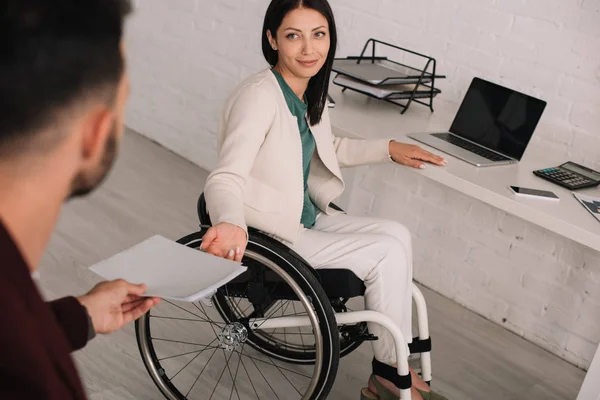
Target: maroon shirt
{"points": [[36, 338]]}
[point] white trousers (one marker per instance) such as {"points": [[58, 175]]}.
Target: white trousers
{"points": [[380, 253]]}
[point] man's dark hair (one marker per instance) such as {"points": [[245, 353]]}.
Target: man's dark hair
{"points": [[318, 86], [55, 54]]}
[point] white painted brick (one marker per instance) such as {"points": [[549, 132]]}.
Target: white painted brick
{"points": [[524, 257], [486, 259], [579, 351], [471, 279], [458, 202], [491, 307], [437, 277], [550, 270], [580, 281], [579, 90], [587, 46], [500, 244], [512, 226], [586, 146], [463, 33], [539, 239], [507, 46], [586, 116], [434, 193], [591, 5], [539, 9], [535, 29], [557, 112], [527, 77], [591, 263], [408, 179], [481, 216], [553, 58], [405, 12], [588, 23], [561, 297], [550, 337], [587, 322], [485, 18], [570, 254], [453, 249]]}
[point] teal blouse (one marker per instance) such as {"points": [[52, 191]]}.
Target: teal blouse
{"points": [[298, 108]]}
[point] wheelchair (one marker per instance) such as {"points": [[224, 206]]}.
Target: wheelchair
{"points": [[277, 331]]}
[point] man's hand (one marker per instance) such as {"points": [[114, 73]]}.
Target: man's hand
{"points": [[114, 304], [411, 155], [225, 240]]}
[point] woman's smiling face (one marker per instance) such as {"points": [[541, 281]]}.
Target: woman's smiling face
{"points": [[302, 42]]}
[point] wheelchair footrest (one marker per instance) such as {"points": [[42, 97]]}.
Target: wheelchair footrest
{"points": [[420, 346]]}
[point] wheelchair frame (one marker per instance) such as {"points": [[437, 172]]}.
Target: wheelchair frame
{"points": [[375, 317]]}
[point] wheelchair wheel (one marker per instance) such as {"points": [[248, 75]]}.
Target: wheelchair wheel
{"points": [[192, 352]]}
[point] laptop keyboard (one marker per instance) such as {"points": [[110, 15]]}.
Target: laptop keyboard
{"points": [[455, 140]]}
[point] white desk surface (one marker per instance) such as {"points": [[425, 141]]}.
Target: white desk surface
{"points": [[356, 115]]}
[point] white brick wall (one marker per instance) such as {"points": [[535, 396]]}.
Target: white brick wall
{"points": [[187, 55]]}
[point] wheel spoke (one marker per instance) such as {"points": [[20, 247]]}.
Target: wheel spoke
{"points": [[185, 354], [249, 378], [260, 372], [286, 378], [188, 311], [189, 362], [277, 366], [186, 319], [200, 374], [221, 376], [230, 374], [179, 341], [234, 379], [299, 330]]}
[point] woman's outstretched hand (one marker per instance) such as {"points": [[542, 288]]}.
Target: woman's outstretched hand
{"points": [[413, 156], [225, 240]]}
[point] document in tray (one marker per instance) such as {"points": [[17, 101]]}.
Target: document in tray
{"points": [[170, 270], [383, 91], [592, 204]]}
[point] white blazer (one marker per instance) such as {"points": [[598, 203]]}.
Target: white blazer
{"points": [[259, 179]]}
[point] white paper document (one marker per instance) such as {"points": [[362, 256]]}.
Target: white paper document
{"points": [[592, 204], [381, 91], [170, 270]]}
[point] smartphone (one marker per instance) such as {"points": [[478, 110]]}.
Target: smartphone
{"points": [[543, 194]]}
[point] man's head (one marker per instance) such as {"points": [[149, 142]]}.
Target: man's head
{"points": [[63, 85]]}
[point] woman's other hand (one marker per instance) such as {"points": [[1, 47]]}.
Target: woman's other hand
{"points": [[413, 156], [225, 240]]}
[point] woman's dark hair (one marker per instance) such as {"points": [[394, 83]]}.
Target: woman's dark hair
{"points": [[316, 92]]}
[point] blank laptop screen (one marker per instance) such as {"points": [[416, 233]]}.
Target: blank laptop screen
{"points": [[498, 118]]}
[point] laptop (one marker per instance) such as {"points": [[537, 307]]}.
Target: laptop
{"points": [[493, 126]]}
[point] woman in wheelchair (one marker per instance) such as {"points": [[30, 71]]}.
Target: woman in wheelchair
{"points": [[279, 171]]}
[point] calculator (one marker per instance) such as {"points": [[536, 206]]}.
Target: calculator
{"points": [[571, 175]]}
